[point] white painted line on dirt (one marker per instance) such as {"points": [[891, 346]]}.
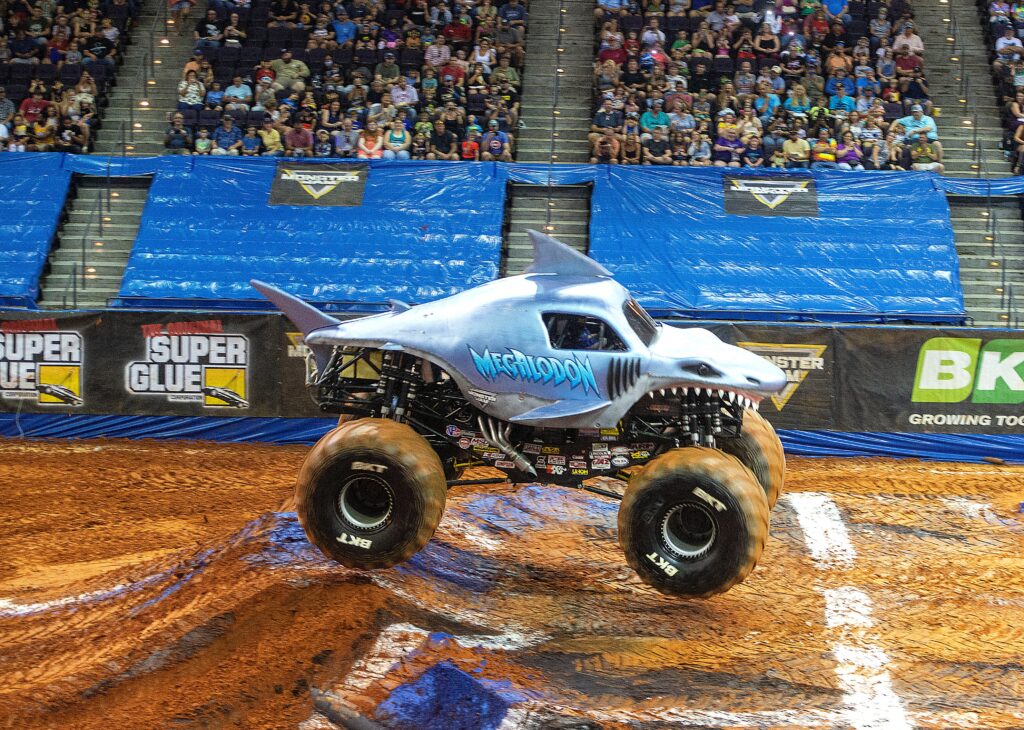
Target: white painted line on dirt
{"points": [[10, 608], [687, 717], [847, 606], [861, 667], [824, 530], [968, 507]]}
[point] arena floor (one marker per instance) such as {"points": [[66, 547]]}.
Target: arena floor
{"points": [[156, 585]]}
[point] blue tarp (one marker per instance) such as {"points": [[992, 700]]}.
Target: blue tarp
{"points": [[33, 188], [939, 447], [880, 249], [424, 231]]}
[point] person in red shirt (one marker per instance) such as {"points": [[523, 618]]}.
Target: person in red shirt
{"points": [[34, 107], [454, 70], [907, 63], [470, 147], [459, 32], [614, 52]]}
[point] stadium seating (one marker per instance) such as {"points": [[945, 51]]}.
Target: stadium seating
{"points": [[310, 61], [713, 80], [70, 59]]}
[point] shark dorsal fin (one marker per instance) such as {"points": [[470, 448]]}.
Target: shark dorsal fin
{"points": [[554, 257]]}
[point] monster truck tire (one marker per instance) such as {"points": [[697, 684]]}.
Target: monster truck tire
{"points": [[758, 448], [371, 493], [693, 522]]}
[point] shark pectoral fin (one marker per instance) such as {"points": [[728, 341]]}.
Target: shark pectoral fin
{"points": [[562, 409]]}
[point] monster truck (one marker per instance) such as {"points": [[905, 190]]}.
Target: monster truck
{"points": [[556, 375]]}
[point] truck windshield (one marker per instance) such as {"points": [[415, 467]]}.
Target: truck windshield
{"points": [[641, 322]]}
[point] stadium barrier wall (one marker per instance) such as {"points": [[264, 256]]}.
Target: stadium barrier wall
{"points": [[241, 377], [697, 243]]}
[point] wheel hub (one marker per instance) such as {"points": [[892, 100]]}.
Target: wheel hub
{"points": [[365, 502], [688, 530]]}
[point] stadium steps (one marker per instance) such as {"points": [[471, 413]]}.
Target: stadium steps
{"points": [[959, 81], [106, 251], [988, 232], [990, 243], [135, 121], [555, 108], [561, 211]]}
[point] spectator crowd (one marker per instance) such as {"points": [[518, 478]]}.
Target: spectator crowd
{"points": [[1004, 25], [57, 60], [783, 84], [405, 79]]}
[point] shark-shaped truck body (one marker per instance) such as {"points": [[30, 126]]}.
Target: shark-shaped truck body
{"points": [[557, 374]]}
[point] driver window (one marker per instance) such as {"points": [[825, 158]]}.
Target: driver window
{"points": [[579, 332]]}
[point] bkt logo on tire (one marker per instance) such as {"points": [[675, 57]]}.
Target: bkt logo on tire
{"points": [[663, 565], [367, 466], [359, 542], [950, 369]]}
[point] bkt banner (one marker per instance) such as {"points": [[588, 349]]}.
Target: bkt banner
{"points": [[932, 380]]}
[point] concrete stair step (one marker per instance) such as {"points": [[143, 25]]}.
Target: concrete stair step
{"points": [[562, 226], [110, 230]]}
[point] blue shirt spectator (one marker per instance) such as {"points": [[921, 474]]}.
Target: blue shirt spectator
{"points": [[838, 80], [226, 138]]}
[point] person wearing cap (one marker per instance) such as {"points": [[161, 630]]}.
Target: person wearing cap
{"points": [[344, 29], [909, 40], [271, 138], [227, 138], [496, 145], [841, 104], [840, 79], [387, 70], [291, 73], [917, 123], [774, 79], [797, 150]]}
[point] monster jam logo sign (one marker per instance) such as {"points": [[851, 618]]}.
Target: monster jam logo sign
{"points": [[797, 361], [330, 184], [772, 196], [517, 366], [192, 362], [38, 362]]}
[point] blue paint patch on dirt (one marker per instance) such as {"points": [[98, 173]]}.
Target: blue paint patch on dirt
{"points": [[286, 543], [536, 506], [445, 698], [444, 562]]}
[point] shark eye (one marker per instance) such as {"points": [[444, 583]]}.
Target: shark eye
{"points": [[702, 370]]}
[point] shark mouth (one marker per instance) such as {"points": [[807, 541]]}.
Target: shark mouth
{"points": [[704, 395]]}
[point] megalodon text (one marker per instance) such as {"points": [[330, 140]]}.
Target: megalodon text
{"points": [[517, 366]]}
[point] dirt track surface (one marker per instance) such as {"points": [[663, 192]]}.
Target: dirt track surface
{"points": [[149, 585]]}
